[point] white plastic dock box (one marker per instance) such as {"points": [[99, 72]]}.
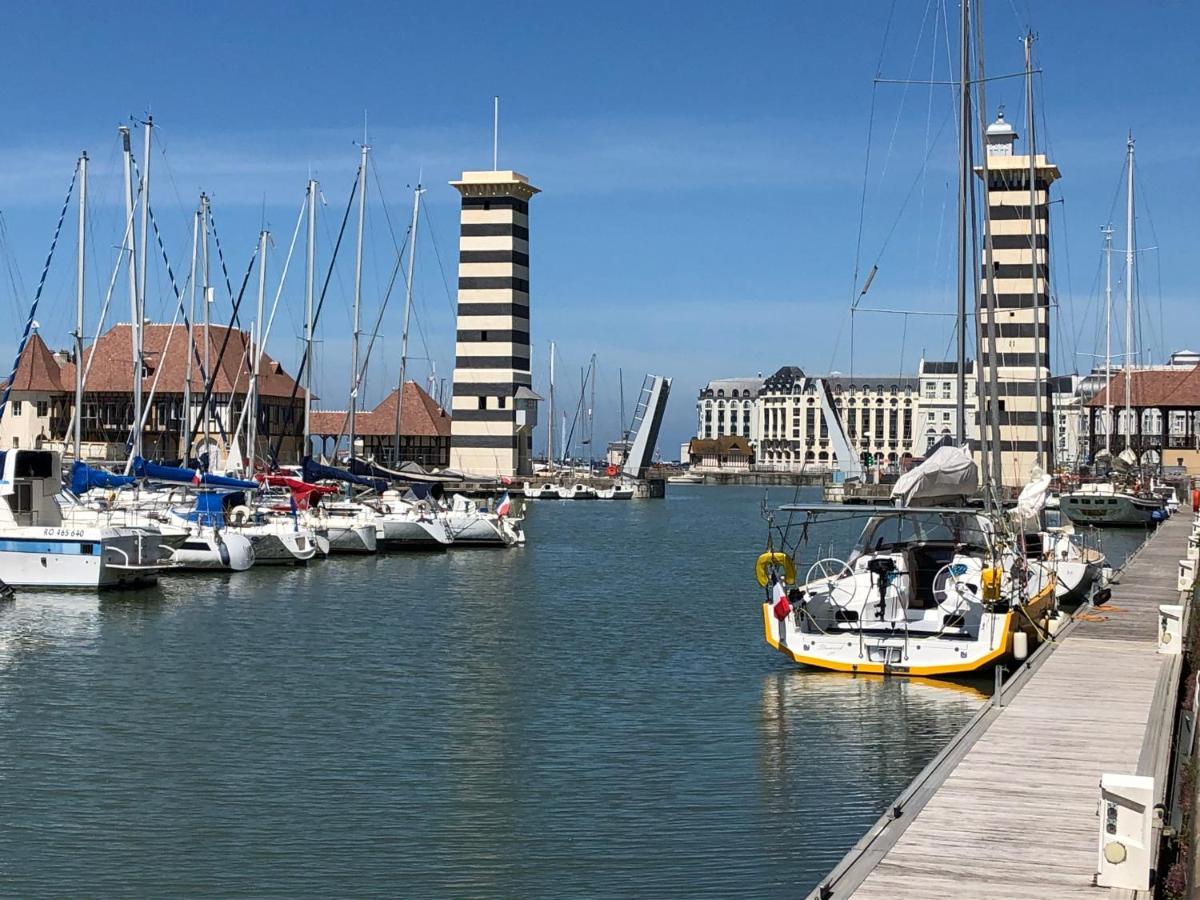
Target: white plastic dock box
{"points": [[1170, 628], [1126, 823], [1187, 574]]}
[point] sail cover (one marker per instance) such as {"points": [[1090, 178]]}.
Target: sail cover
{"points": [[84, 478], [304, 494], [209, 509], [1032, 500], [146, 469], [314, 471], [948, 475], [407, 471]]}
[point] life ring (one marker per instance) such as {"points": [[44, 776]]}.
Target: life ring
{"points": [[240, 515], [774, 558], [612, 471]]}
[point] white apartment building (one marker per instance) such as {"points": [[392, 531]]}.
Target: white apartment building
{"points": [[878, 413], [937, 418], [728, 407]]}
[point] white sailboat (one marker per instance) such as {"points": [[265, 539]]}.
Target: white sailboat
{"points": [[1118, 501], [932, 587]]}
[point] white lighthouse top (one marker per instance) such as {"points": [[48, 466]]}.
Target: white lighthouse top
{"points": [[1000, 136]]}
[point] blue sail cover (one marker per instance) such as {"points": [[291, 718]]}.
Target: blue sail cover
{"points": [[145, 469], [84, 478], [209, 509], [314, 471]]}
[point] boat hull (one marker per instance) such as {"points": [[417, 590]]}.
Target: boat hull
{"points": [[225, 552], [892, 652], [85, 558], [482, 531], [402, 532], [1108, 510], [352, 538]]}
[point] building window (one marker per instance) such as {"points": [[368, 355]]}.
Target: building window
{"points": [[945, 390], [16, 443], [483, 402], [930, 390], [43, 408], [16, 409]]}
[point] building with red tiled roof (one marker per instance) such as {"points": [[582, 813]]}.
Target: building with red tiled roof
{"points": [[36, 403], [47, 380], [1164, 414], [425, 429]]}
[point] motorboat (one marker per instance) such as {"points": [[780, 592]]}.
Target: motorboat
{"points": [[39, 549], [577, 491], [616, 491], [1106, 504], [928, 590], [686, 478]]}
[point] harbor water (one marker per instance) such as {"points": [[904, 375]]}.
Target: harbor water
{"points": [[595, 714]]}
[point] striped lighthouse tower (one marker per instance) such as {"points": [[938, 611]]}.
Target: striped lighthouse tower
{"points": [[1020, 279], [494, 408]]}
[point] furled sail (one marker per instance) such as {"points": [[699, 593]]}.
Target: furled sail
{"points": [[314, 471], [146, 469], [84, 478]]}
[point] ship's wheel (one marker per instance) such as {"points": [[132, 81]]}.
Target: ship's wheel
{"points": [[952, 588], [833, 572]]}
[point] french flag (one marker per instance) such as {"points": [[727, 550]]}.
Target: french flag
{"points": [[504, 505]]}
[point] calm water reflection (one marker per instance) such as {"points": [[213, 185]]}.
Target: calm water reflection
{"points": [[596, 714]]}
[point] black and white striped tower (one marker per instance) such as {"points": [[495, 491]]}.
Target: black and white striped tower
{"points": [[493, 410], [1021, 271]]}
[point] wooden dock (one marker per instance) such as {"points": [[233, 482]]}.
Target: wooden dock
{"points": [[1009, 809]]}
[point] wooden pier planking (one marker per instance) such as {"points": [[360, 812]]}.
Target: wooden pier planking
{"points": [[1016, 817]]}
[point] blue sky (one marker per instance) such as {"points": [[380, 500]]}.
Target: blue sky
{"points": [[702, 166]]}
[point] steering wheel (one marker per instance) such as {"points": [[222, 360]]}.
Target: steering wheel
{"points": [[832, 571], [951, 588]]}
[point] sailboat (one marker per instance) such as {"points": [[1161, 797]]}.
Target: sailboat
{"points": [[933, 587], [1122, 500]]}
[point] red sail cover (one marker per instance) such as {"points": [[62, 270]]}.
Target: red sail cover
{"points": [[303, 493]]}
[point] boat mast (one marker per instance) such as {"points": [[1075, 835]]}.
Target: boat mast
{"points": [[186, 431], [309, 276], [79, 263], [592, 421], [995, 478], [135, 320], [621, 391], [408, 295], [964, 187], [1129, 295], [358, 259], [1038, 326], [256, 340], [1108, 404], [550, 416], [139, 401], [207, 299]]}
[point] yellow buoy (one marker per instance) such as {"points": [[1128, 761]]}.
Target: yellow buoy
{"points": [[774, 558]]}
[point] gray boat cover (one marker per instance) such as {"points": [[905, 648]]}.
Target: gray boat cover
{"points": [[947, 476]]}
